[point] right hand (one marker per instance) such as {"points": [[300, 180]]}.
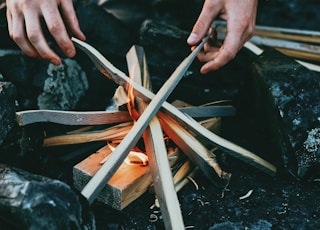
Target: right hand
{"points": [[24, 25], [240, 16]]}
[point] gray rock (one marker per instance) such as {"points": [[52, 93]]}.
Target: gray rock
{"points": [[63, 88]]}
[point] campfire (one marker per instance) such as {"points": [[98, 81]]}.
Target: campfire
{"points": [[144, 142], [179, 128]]}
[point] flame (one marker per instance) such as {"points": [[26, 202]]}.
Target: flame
{"points": [[131, 105], [133, 158]]}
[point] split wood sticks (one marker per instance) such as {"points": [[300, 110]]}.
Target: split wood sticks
{"points": [[96, 184], [228, 147]]}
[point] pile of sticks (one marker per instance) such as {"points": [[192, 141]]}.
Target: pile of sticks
{"points": [[303, 45], [150, 118]]}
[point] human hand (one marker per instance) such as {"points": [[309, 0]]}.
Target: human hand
{"points": [[24, 25], [240, 17]]}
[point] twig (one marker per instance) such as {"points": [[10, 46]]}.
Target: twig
{"points": [[109, 134]]}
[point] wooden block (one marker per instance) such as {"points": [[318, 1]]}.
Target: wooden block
{"points": [[126, 185]]}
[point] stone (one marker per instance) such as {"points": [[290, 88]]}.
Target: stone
{"points": [[287, 94], [29, 201], [7, 109], [63, 87]]}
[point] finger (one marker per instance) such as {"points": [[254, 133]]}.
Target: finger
{"points": [[71, 19], [219, 59], [37, 38], [9, 19], [235, 38], [18, 35], [208, 56], [211, 46], [209, 11], [57, 29]]}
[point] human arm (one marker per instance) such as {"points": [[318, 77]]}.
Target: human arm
{"points": [[240, 17], [24, 25]]}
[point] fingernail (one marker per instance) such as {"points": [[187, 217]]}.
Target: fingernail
{"points": [[55, 62], [203, 70], [192, 38], [70, 53]]}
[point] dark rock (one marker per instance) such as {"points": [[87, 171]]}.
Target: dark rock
{"points": [[109, 35], [170, 38], [287, 94], [7, 109], [30, 201], [165, 47], [22, 71], [113, 39], [296, 14]]}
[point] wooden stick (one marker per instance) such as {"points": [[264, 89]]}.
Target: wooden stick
{"points": [[155, 146], [310, 66], [228, 147], [109, 134], [72, 117], [195, 151], [286, 44], [294, 43], [308, 36], [96, 184], [257, 51], [299, 54], [127, 184], [180, 179]]}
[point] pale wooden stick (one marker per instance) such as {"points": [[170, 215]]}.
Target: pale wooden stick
{"points": [[72, 117], [96, 184], [300, 35], [285, 44], [180, 178], [195, 151], [155, 146], [294, 43], [109, 134]]}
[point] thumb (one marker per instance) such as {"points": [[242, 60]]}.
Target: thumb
{"points": [[203, 23]]}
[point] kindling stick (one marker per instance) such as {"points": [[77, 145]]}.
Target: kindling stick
{"points": [[99, 180], [155, 146], [28, 117], [72, 117]]}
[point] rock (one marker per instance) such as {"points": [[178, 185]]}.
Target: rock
{"points": [[165, 47], [112, 38], [288, 98], [29, 201], [109, 35], [63, 87], [7, 109]]}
